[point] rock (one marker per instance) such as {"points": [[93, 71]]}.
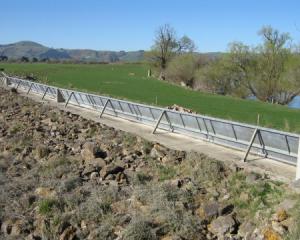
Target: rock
{"points": [[110, 169], [222, 225], [246, 228], [252, 178], [44, 192], [98, 163], [287, 204], [158, 151], [89, 151], [6, 227], [278, 228], [270, 234], [94, 175], [68, 234], [281, 215], [208, 211]]}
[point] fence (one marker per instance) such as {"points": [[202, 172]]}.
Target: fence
{"points": [[277, 145]]}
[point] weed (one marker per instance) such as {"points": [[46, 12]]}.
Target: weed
{"points": [[45, 206]]}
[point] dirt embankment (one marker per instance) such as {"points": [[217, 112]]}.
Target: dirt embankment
{"points": [[65, 177]]}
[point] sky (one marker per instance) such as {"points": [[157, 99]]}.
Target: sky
{"points": [[131, 24]]}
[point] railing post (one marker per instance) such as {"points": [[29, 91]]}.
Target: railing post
{"points": [[250, 144], [298, 162], [104, 107]]}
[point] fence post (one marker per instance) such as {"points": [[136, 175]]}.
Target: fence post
{"points": [[250, 144], [59, 96], [298, 162]]}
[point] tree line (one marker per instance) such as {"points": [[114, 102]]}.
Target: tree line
{"points": [[269, 71]]}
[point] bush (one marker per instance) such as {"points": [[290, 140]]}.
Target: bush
{"points": [[182, 69], [139, 229]]}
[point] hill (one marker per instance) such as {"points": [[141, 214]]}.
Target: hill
{"points": [[35, 50]]}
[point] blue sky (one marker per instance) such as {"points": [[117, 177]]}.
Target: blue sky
{"points": [[130, 24]]}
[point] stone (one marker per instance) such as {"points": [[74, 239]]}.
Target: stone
{"points": [[208, 211], [110, 169], [89, 151], [94, 175], [45, 192], [6, 227], [222, 225], [252, 178], [270, 234], [278, 228], [246, 228], [281, 215], [287, 204]]}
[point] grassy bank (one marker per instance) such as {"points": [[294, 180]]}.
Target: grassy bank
{"points": [[129, 81]]}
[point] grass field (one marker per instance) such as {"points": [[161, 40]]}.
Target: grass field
{"points": [[129, 81]]}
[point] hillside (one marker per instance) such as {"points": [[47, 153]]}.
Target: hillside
{"points": [[36, 50], [65, 177]]}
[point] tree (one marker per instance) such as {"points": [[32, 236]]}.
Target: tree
{"points": [[273, 56], [35, 59], [3, 58], [186, 45], [264, 71], [166, 46], [24, 59]]}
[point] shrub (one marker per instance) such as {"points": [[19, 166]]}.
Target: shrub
{"points": [[139, 229], [182, 69]]}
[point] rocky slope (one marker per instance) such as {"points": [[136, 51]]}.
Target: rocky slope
{"points": [[65, 177]]}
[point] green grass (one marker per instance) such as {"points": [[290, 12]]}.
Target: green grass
{"points": [[129, 81]]}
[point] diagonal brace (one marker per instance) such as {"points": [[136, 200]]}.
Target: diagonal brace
{"points": [[104, 107], [256, 131], [45, 92], [29, 88], [69, 98], [164, 113]]}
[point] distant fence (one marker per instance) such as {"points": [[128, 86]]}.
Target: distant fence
{"points": [[270, 143]]}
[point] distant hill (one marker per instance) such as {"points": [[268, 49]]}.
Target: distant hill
{"points": [[35, 50]]}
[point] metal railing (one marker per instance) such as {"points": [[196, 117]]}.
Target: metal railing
{"points": [[265, 142]]}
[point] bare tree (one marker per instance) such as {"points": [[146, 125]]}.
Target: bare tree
{"points": [[165, 46]]}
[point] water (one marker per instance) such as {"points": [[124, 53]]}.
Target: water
{"points": [[293, 104]]}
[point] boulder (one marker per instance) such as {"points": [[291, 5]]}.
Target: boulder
{"points": [[89, 151], [222, 225], [110, 169], [208, 211]]}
